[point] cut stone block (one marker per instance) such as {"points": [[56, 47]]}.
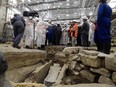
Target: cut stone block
{"points": [[92, 53], [105, 80], [18, 58], [71, 50], [19, 75], [101, 71], [60, 57], [27, 85], [88, 75], [61, 74], [92, 61], [52, 75], [86, 85], [40, 73], [110, 63]]}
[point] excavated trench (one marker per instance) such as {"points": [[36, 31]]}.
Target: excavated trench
{"points": [[60, 65]]}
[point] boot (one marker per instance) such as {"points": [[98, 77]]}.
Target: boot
{"points": [[42, 47], [28, 47], [39, 48]]}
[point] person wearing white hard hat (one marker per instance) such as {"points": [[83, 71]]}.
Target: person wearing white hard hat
{"points": [[29, 33], [85, 18], [85, 32], [41, 34]]}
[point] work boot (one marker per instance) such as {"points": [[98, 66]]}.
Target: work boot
{"points": [[42, 47], [28, 47], [17, 47], [39, 48]]}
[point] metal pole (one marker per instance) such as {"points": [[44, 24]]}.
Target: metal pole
{"points": [[33, 35], [4, 27]]}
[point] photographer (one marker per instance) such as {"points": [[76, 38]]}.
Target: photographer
{"points": [[18, 26]]}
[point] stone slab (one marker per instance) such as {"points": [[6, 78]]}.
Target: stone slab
{"points": [[105, 80], [27, 85], [86, 85], [110, 63], [92, 61], [40, 73], [17, 58]]}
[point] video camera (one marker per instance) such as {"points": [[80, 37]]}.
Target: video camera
{"points": [[30, 13]]}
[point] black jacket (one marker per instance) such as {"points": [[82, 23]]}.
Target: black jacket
{"points": [[85, 28], [17, 18]]}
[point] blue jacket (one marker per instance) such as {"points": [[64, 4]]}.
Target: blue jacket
{"points": [[104, 22], [50, 33]]}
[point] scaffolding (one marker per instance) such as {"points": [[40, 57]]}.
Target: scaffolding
{"points": [[11, 9], [54, 10]]}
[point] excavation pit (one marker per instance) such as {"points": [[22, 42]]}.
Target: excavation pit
{"points": [[77, 65]]}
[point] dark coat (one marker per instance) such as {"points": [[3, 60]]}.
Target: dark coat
{"points": [[18, 20], [85, 28], [104, 22], [50, 33]]}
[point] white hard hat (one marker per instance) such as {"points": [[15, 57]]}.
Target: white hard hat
{"points": [[85, 17]]}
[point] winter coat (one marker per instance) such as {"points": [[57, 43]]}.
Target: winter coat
{"points": [[18, 20], [85, 28], [74, 30], [104, 22], [50, 33]]}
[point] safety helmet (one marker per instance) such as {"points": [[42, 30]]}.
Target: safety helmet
{"points": [[85, 17]]}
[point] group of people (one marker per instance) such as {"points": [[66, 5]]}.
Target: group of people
{"points": [[35, 30], [47, 33]]}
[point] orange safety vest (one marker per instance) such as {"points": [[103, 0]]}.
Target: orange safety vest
{"points": [[74, 30]]}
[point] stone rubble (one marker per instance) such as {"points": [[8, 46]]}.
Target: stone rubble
{"points": [[77, 66], [91, 65]]}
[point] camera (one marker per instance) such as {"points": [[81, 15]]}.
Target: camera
{"points": [[30, 13]]}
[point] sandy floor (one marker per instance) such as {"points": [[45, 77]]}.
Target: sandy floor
{"points": [[8, 48]]}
